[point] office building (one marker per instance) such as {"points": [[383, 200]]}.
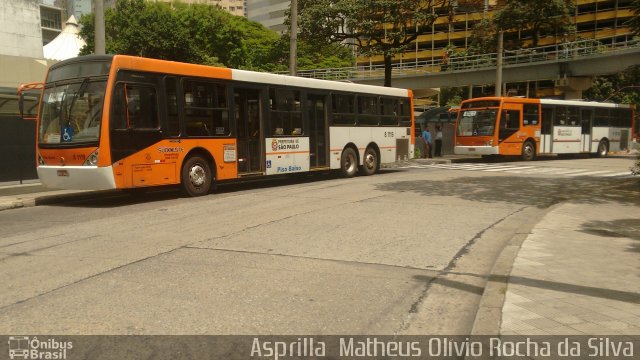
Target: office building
{"points": [[270, 13], [602, 20]]}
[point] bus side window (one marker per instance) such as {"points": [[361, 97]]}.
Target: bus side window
{"points": [[531, 114], [173, 124], [510, 119], [547, 118], [135, 107], [142, 107], [118, 117]]}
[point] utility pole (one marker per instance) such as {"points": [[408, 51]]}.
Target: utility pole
{"points": [[98, 7], [293, 45], [499, 63]]}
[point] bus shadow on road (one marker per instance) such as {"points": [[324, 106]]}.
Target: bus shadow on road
{"points": [[511, 159], [538, 192], [110, 199]]}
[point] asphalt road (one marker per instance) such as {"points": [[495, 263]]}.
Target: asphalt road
{"points": [[406, 251]]}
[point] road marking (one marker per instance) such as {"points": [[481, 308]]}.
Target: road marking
{"points": [[522, 169]]}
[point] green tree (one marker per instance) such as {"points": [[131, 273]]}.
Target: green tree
{"points": [[483, 39], [536, 17], [622, 88], [200, 34], [375, 27]]}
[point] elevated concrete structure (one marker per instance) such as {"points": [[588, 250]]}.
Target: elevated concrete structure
{"points": [[586, 66]]}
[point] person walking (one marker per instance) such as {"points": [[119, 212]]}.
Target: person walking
{"points": [[438, 141], [426, 136]]}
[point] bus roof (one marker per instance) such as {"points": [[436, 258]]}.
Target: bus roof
{"points": [[582, 103], [551, 102], [187, 69]]}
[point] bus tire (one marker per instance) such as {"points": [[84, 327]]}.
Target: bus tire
{"points": [[528, 151], [349, 162], [603, 148], [196, 176], [369, 162]]}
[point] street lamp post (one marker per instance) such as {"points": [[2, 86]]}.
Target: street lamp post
{"points": [[99, 31], [293, 45], [499, 64]]}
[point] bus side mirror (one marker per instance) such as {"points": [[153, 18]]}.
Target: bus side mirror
{"points": [[21, 104], [29, 99]]}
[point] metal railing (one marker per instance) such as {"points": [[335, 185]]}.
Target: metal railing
{"points": [[558, 52]]}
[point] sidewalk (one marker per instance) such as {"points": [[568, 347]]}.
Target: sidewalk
{"points": [[575, 273]]}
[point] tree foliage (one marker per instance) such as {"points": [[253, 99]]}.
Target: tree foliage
{"points": [[375, 27], [536, 17], [197, 33]]}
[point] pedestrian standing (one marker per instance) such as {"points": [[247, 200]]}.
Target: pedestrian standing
{"points": [[426, 136], [438, 141]]}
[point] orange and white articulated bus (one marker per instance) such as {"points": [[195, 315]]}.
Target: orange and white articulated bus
{"points": [[123, 122], [530, 127]]}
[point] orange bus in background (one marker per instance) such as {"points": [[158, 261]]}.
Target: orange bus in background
{"points": [[123, 122], [530, 127]]}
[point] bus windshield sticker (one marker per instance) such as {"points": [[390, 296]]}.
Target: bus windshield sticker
{"points": [[67, 133], [470, 113]]}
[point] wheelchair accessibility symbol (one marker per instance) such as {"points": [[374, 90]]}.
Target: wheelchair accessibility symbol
{"points": [[67, 134]]}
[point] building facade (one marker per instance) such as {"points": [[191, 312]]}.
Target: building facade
{"points": [[602, 20], [270, 13], [21, 34]]}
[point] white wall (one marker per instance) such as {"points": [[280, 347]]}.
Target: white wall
{"points": [[20, 33]]}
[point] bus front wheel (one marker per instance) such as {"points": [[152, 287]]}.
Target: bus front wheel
{"points": [[196, 176], [349, 162], [369, 162], [528, 151], [603, 148]]}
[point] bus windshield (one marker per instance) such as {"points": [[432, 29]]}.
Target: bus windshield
{"points": [[71, 113], [479, 122]]}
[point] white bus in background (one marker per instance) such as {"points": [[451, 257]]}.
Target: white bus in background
{"points": [[530, 127]]}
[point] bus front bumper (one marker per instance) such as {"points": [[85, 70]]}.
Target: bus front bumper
{"points": [[477, 150], [77, 177]]}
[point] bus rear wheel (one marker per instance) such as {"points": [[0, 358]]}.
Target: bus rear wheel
{"points": [[349, 163], [603, 148], [369, 162], [196, 176], [528, 151]]}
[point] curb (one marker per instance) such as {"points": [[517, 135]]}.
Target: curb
{"points": [[49, 199], [489, 315]]}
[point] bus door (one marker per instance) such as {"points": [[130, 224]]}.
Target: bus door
{"points": [[586, 118], [545, 129], [248, 125], [317, 115], [509, 129]]}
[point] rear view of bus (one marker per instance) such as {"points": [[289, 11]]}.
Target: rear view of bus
{"points": [[69, 126]]}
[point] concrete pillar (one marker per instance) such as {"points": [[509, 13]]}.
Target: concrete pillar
{"points": [[573, 86]]}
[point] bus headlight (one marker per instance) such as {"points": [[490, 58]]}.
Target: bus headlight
{"points": [[40, 160], [92, 160], [489, 143]]}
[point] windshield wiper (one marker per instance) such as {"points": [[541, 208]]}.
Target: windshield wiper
{"points": [[79, 93]]}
